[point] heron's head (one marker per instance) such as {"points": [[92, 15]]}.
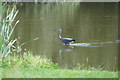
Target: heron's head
{"points": [[58, 29]]}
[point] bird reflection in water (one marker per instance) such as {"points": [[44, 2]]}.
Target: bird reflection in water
{"points": [[65, 49]]}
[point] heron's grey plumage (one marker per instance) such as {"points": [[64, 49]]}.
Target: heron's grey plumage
{"points": [[66, 41]]}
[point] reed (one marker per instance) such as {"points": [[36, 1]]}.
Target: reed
{"points": [[7, 27]]}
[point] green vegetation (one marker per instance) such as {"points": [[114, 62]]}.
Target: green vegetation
{"points": [[56, 73], [8, 26], [27, 61], [0, 22], [29, 66]]}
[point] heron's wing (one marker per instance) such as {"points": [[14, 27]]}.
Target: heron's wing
{"points": [[68, 38]]}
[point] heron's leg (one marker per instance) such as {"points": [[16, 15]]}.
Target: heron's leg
{"points": [[67, 44], [64, 44]]}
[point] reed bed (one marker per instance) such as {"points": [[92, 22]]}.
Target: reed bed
{"points": [[7, 27]]}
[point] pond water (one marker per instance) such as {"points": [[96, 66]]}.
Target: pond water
{"points": [[94, 26]]}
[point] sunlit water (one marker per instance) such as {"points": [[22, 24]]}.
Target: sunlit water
{"points": [[94, 26]]}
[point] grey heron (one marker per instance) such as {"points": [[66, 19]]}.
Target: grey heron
{"points": [[66, 41]]}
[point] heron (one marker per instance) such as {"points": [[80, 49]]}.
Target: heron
{"points": [[66, 41]]}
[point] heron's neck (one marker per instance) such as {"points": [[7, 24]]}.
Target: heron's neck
{"points": [[59, 34]]}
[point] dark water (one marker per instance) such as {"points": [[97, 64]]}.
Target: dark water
{"points": [[94, 26]]}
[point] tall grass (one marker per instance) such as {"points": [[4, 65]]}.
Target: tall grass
{"points": [[27, 61], [7, 28]]}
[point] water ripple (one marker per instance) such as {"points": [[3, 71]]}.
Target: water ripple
{"points": [[95, 44]]}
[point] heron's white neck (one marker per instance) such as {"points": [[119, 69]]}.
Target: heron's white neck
{"points": [[59, 34]]}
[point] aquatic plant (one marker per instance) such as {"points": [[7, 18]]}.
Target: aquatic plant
{"points": [[7, 28]]}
